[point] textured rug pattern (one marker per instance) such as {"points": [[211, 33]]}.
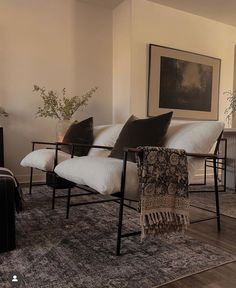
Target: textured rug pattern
{"points": [[80, 252]]}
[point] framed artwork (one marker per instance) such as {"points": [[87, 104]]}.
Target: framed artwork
{"points": [[183, 82]]}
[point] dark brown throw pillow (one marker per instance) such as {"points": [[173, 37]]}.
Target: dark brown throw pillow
{"points": [[141, 132], [79, 133]]}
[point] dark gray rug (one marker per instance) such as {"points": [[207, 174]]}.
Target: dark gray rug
{"points": [[206, 200], [80, 252]]}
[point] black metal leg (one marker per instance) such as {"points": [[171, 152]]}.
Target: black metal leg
{"points": [[53, 196], [224, 170], [216, 195], [122, 190], [68, 203], [120, 226], [31, 180], [205, 173]]}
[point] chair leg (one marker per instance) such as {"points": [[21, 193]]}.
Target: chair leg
{"points": [[224, 170], [216, 194], [53, 197], [205, 173], [122, 190], [120, 226], [68, 203], [31, 180]]}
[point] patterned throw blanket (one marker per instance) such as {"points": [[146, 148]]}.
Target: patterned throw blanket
{"points": [[6, 173], [163, 183]]}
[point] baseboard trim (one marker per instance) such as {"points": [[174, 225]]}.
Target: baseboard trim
{"points": [[37, 178]]}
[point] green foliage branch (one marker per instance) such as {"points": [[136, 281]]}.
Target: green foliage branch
{"points": [[231, 109], [61, 107]]}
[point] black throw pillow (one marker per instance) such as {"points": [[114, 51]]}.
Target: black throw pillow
{"points": [[79, 133], [141, 132]]}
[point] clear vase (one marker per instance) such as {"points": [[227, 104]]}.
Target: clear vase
{"points": [[61, 128]]}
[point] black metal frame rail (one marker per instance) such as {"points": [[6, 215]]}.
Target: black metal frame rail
{"points": [[120, 196], [221, 165]]}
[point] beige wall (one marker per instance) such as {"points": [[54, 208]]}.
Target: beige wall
{"points": [[121, 61], [56, 44], [66, 43], [153, 23]]}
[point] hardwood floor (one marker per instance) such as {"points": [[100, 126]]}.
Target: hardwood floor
{"points": [[220, 277]]}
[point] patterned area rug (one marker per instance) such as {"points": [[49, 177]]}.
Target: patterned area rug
{"points": [[206, 200], [80, 252]]}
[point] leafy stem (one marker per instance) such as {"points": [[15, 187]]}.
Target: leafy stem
{"points": [[231, 109], [61, 107]]}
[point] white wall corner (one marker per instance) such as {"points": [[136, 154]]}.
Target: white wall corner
{"points": [[122, 25]]}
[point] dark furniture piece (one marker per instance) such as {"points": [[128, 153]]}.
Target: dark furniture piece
{"points": [[1, 148], [7, 214], [56, 182]]}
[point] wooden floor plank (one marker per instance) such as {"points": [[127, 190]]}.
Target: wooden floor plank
{"points": [[220, 277]]}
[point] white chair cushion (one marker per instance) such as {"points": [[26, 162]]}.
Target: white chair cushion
{"points": [[43, 159], [193, 137], [100, 173], [105, 136]]}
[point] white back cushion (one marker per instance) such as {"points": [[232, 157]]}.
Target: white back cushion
{"points": [[193, 137], [105, 136]]}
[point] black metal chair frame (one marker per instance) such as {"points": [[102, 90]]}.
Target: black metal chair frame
{"points": [[119, 197], [221, 163], [68, 184]]}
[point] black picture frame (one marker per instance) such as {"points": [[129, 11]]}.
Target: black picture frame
{"points": [[183, 82]]}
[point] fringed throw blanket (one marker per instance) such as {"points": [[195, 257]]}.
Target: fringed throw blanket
{"points": [[163, 183], [7, 174]]}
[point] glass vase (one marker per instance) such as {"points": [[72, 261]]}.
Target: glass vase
{"points": [[61, 128]]}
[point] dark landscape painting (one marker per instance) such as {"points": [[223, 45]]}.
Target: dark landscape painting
{"points": [[185, 85]]}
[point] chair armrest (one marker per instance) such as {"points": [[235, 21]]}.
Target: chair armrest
{"points": [[197, 155], [71, 144], [85, 145], [44, 143], [203, 155]]}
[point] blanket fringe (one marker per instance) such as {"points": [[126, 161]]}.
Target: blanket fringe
{"points": [[154, 223]]}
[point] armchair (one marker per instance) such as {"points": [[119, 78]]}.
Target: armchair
{"points": [[124, 172]]}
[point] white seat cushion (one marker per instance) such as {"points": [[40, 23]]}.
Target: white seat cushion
{"points": [[43, 159], [100, 173]]}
